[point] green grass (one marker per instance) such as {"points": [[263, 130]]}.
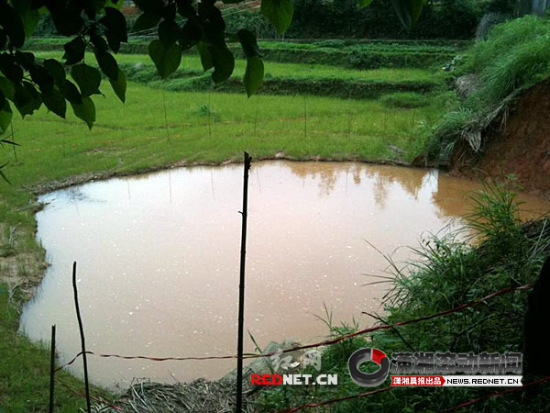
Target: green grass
{"points": [[140, 134], [514, 57], [375, 45], [405, 100], [24, 370]]}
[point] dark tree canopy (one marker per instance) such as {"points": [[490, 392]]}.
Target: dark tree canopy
{"points": [[98, 27]]}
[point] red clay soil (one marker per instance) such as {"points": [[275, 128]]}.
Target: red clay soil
{"points": [[521, 146]]}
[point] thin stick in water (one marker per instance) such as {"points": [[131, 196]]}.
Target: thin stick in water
{"points": [[52, 370], [240, 333], [82, 341]]}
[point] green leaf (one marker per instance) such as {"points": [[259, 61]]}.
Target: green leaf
{"points": [[25, 59], [30, 21], [5, 117], [408, 11], [7, 87], [12, 24], [67, 22], [55, 69], [107, 64], [85, 111], [119, 85], [248, 43], [9, 142], [29, 15], [224, 63], [146, 21], [364, 3], [254, 74], [168, 32], [71, 93], [115, 23], [206, 56], [74, 51], [10, 68], [166, 59], [4, 177], [26, 99], [100, 44], [191, 34], [42, 78], [3, 39], [87, 78], [279, 13], [55, 102]]}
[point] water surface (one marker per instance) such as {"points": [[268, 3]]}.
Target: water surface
{"points": [[158, 258]]}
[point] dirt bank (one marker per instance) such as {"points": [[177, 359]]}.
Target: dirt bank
{"points": [[518, 143]]}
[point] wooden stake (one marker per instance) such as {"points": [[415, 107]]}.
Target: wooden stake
{"points": [[240, 332], [52, 370], [82, 341]]}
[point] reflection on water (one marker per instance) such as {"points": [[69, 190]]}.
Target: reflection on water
{"points": [[158, 258]]}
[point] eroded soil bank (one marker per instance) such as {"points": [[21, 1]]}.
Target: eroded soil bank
{"points": [[517, 144]]}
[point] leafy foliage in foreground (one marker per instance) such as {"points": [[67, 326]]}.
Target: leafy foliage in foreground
{"points": [[448, 273], [100, 26]]}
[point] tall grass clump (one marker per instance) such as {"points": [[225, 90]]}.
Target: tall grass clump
{"points": [[514, 56], [492, 251], [451, 272]]}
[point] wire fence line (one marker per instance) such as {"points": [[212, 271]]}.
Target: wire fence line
{"points": [[334, 341], [324, 343]]}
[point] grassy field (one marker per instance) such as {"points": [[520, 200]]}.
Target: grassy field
{"points": [[24, 377], [158, 127]]}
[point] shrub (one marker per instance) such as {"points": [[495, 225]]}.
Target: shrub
{"points": [[452, 19], [315, 19]]}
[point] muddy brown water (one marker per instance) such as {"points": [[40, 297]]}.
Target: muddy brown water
{"points": [[158, 258]]}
